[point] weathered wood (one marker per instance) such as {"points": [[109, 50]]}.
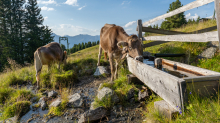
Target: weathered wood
{"points": [[181, 66], [203, 37], [139, 24], [205, 86], [164, 84], [161, 31], [203, 30], [189, 6], [165, 109], [133, 79], [154, 43], [217, 9], [168, 55]]}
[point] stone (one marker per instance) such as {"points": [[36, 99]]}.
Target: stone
{"points": [[75, 101], [213, 44], [42, 103], [93, 115], [52, 94], [166, 109], [107, 92], [10, 120], [208, 53], [34, 99], [142, 95], [100, 70], [55, 103], [130, 94]]}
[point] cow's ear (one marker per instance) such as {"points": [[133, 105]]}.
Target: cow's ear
{"points": [[64, 52], [122, 44]]}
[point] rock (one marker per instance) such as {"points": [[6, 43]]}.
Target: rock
{"points": [[93, 115], [130, 94], [34, 99], [75, 101], [142, 95], [106, 92], [55, 103], [52, 94], [100, 70], [213, 44], [208, 53], [10, 120], [92, 106], [89, 72], [132, 100], [42, 103]]}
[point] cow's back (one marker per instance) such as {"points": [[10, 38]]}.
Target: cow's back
{"points": [[109, 35], [51, 52]]}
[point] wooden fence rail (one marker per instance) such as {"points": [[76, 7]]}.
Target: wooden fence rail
{"points": [[189, 6]]}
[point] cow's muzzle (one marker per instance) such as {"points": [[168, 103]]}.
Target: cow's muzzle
{"points": [[139, 58]]}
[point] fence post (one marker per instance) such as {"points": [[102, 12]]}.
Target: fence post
{"points": [[139, 24], [217, 11]]}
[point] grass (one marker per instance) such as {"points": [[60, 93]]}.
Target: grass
{"points": [[198, 109], [120, 87]]}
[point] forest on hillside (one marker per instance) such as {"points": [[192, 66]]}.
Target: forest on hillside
{"points": [[21, 31]]}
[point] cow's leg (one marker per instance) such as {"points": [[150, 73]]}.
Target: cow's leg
{"points": [[38, 78], [111, 61], [99, 56], [116, 69]]}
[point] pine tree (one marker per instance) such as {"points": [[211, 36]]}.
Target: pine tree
{"points": [[189, 21], [97, 42], [34, 22], [83, 46], [156, 26], [89, 44], [176, 20], [63, 47], [197, 20]]}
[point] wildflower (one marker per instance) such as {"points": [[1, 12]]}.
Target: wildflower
{"points": [[190, 93], [180, 112]]}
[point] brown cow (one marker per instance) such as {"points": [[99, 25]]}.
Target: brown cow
{"points": [[117, 43], [46, 55]]}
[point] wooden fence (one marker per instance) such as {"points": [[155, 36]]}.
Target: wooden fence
{"points": [[197, 36], [171, 88]]}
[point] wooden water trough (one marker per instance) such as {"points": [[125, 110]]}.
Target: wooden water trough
{"points": [[175, 90]]}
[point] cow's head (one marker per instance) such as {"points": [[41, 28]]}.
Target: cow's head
{"points": [[64, 57], [132, 46]]}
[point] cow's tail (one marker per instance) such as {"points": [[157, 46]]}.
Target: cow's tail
{"points": [[37, 62]]}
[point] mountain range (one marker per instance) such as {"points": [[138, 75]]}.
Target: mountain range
{"points": [[76, 39]]}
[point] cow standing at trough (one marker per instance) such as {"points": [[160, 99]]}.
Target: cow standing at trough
{"points": [[117, 44], [46, 55]]}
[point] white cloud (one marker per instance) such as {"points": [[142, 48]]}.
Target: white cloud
{"points": [[125, 2], [45, 18], [71, 2], [71, 30], [46, 8], [128, 30], [130, 24], [81, 7], [189, 16], [47, 2]]}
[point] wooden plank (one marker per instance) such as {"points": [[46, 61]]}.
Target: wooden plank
{"points": [[203, 37], [217, 9], [154, 43], [203, 30], [161, 31], [164, 84], [189, 6], [180, 66], [139, 24]]}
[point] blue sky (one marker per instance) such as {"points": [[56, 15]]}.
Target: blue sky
{"points": [[73, 17]]}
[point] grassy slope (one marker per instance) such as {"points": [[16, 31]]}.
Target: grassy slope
{"points": [[79, 62], [199, 109]]}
